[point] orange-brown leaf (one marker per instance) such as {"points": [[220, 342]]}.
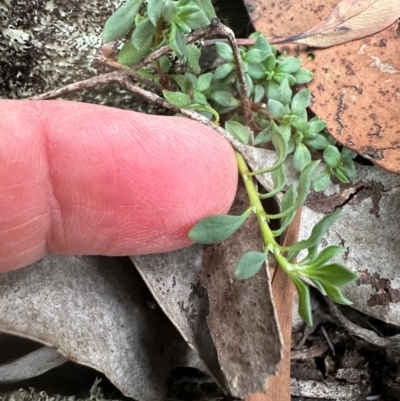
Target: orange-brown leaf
{"points": [[350, 20]]}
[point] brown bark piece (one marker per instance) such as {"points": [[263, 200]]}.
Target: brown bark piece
{"points": [[242, 320], [282, 291], [356, 85]]}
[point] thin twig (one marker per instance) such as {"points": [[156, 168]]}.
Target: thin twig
{"points": [[246, 102], [117, 66], [365, 334], [162, 51], [309, 353], [240, 42], [328, 340], [95, 82]]}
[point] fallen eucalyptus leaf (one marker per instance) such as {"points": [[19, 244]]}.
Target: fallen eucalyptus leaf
{"points": [[369, 232], [242, 319], [350, 20], [98, 312], [31, 365], [355, 85], [173, 279]]}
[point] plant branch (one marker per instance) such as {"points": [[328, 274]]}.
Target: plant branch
{"points": [[246, 102], [255, 203], [90, 83], [120, 67], [163, 51]]}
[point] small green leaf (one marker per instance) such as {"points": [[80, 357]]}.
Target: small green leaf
{"points": [[319, 142], [193, 58], [279, 179], [264, 136], [238, 131], [261, 42], [204, 82], [317, 125], [301, 100], [304, 299], [177, 99], [319, 230], [301, 157], [304, 187], [121, 21], [154, 10], [165, 64], [280, 76], [280, 146], [254, 56], [224, 51], [223, 71], [335, 294], [287, 201], [349, 168], [184, 83], [303, 76], [276, 109], [326, 254], [206, 111], [177, 41], [256, 71], [225, 99], [340, 173], [142, 33], [193, 16], [333, 274], [207, 7], [289, 65], [322, 180], [280, 92], [129, 55], [301, 126], [249, 264], [200, 98], [285, 131], [169, 10], [332, 156], [259, 93], [218, 228], [270, 63], [347, 154], [318, 286]]}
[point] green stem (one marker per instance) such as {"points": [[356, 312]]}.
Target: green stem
{"points": [[270, 243]]}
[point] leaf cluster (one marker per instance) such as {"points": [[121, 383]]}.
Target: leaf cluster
{"points": [[280, 119]]}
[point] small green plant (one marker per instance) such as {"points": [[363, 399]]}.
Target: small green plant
{"points": [[254, 93]]}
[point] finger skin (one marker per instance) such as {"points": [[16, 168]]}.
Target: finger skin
{"points": [[78, 178]]}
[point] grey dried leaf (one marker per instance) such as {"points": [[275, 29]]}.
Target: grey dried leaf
{"points": [[242, 319], [369, 231], [31, 365], [258, 159], [173, 279], [96, 311], [349, 20]]}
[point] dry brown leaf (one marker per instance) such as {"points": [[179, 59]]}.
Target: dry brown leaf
{"points": [[177, 283], [242, 319], [350, 20], [356, 86], [98, 312]]}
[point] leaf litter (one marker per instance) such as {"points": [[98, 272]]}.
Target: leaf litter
{"points": [[220, 317], [356, 85], [95, 311]]}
